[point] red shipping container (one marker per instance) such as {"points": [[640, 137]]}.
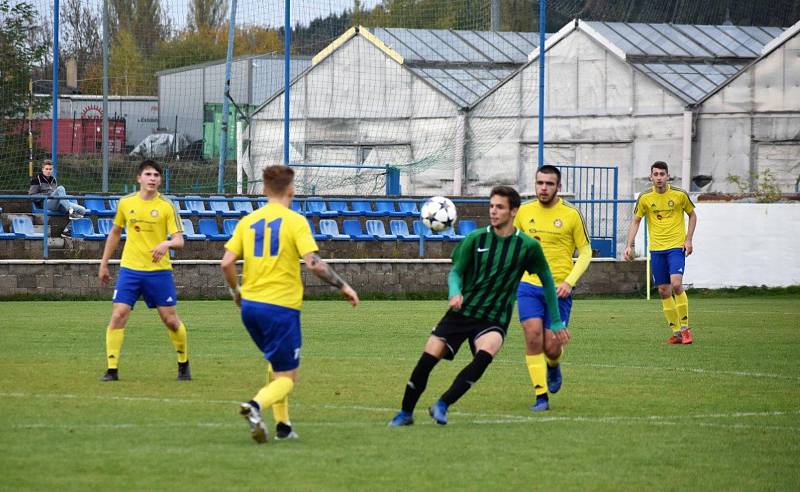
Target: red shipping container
{"points": [[79, 136]]}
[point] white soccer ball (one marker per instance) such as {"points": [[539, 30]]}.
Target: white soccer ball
{"points": [[438, 213]]}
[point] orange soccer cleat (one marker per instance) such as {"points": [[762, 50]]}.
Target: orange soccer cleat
{"points": [[675, 340], [686, 336]]}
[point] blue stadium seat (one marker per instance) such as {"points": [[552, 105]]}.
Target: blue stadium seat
{"points": [[197, 206], [297, 207], [408, 208], [243, 208], [352, 227], [424, 231], [96, 205], [400, 229], [229, 225], [388, 209], [112, 204], [334, 208], [220, 206], [329, 228], [104, 226], [22, 226], [315, 206], [466, 226], [376, 229], [84, 229], [363, 207], [451, 235], [4, 234], [181, 204], [188, 231], [208, 227], [317, 236], [260, 203]]}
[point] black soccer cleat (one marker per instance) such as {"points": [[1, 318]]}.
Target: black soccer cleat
{"points": [[184, 372], [284, 431], [110, 375]]}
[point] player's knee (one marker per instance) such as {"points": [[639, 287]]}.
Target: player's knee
{"points": [[171, 321], [677, 286], [665, 290]]}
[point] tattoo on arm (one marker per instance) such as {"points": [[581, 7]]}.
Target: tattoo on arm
{"points": [[326, 273]]}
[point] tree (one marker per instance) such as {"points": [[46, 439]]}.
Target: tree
{"points": [[126, 71], [20, 53], [206, 13], [144, 20], [81, 36]]}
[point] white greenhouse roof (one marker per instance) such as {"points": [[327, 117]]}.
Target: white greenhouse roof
{"points": [[688, 60]]}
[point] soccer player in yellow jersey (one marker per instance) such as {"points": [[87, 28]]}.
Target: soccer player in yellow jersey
{"points": [[272, 240], [561, 230], [145, 268], [670, 244]]}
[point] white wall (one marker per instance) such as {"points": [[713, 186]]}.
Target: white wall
{"points": [[745, 244]]}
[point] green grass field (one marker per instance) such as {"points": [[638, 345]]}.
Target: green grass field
{"points": [[634, 413]]}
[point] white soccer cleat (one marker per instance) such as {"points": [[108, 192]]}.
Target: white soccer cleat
{"points": [[253, 417]]}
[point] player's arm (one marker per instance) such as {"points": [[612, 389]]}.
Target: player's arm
{"points": [[580, 237], [175, 242], [228, 266], [322, 270], [687, 245], [108, 251], [462, 255], [632, 230]]}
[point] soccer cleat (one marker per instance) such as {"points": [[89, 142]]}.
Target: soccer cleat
{"points": [[284, 431], [438, 411], [253, 417], [554, 378], [110, 375], [184, 372], [402, 418], [675, 340], [686, 336], [542, 403]]}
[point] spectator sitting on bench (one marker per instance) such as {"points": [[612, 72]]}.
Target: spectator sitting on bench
{"points": [[45, 183]]}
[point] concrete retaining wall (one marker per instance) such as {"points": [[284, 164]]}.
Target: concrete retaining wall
{"points": [[203, 279]]}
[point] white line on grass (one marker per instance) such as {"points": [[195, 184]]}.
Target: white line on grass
{"points": [[477, 418]]}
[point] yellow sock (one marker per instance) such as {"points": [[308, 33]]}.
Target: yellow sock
{"points": [[682, 305], [538, 372], [671, 313], [179, 341], [114, 338], [274, 392], [556, 361], [280, 409]]}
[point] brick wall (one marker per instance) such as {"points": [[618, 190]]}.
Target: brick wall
{"points": [[202, 278]]}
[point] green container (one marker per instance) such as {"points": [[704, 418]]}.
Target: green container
{"points": [[212, 125]]}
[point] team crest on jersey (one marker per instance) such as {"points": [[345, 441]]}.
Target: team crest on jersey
{"points": [[671, 203], [558, 223], [154, 213]]}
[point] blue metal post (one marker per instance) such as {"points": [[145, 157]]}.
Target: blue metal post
{"points": [[45, 234], [287, 44], [615, 207], [54, 141], [223, 138], [542, 27]]}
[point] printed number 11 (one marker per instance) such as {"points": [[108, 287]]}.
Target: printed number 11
{"points": [[274, 237]]}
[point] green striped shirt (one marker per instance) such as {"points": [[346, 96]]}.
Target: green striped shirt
{"points": [[491, 267]]}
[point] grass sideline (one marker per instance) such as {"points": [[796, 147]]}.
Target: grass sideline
{"points": [[634, 413]]}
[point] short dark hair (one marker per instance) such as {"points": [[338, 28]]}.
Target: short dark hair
{"points": [[659, 165], [514, 200], [548, 169], [149, 163], [277, 179]]}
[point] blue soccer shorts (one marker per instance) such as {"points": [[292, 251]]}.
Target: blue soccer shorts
{"points": [[665, 263], [276, 331], [532, 304], [157, 288]]}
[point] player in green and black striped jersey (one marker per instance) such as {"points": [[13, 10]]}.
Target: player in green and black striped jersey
{"points": [[487, 267]]}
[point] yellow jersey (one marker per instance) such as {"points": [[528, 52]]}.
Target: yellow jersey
{"points": [[561, 230], [664, 212], [147, 222], [272, 240]]}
